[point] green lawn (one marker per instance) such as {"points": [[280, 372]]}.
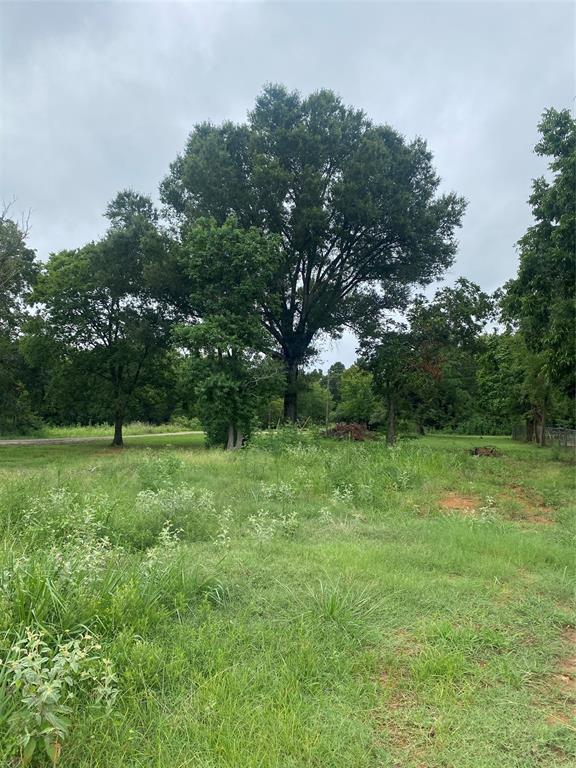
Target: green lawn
{"points": [[299, 603], [106, 430], [54, 458]]}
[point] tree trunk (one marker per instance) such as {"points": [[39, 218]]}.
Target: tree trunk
{"points": [[529, 429], [391, 426], [291, 392], [541, 427], [420, 428], [118, 440], [230, 443], [239, 439]]}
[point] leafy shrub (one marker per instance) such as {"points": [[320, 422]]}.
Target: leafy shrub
{"points": [[40, 679], [186, 423], [280, 491], [263, 525]]}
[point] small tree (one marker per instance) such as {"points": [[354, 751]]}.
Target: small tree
{"points": [[228, 381], [334, 378], [109, 304], [17, 274], [229, 269], [418, 365], [500, 374], [357, 397], [390, 360]]}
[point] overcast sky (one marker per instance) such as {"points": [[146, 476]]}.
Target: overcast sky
{"points": [[97, 97]]}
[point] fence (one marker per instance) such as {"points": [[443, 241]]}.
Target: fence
{"points": [[553, 435], [561, 436]]}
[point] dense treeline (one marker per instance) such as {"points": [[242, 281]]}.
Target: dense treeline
{"points": [[276, 234]]}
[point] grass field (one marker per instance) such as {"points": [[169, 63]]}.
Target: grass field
{"points": [[298, 603], [106, 430]]}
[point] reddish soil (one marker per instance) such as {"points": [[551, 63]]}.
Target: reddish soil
{"points": [[398, 731], [564, 683], [532, 507], [559, 719], [566, 676], [457, 502]]}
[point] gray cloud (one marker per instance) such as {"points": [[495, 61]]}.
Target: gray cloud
{"points": [[100, 96]]}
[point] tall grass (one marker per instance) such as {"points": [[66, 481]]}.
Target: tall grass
{"points": [[298, 603]]}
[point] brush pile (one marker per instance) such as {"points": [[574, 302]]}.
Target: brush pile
{"points": [[353, 431], [485, 450]]}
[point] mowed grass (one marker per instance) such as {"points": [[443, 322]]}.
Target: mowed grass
{"points": [[301, 602], [105, 430]]}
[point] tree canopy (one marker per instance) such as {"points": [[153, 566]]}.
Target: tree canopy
{"points": [[426, 363], [229, 269], [355, 207], [542, 298], [108, 303], [18, 270], [276, 235]]}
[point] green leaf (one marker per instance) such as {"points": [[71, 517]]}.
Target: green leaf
{"points": [[60, 723], [53, 749], [28, 751]]}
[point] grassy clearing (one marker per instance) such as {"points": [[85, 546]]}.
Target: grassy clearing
{"points": [[300, 603], [107, 430]]}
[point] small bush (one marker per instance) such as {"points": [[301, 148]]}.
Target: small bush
{"points": [[40, 678], [99, 587]]}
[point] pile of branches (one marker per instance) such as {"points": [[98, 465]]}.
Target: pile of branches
{"points": [[486, 450], [353, 431]]}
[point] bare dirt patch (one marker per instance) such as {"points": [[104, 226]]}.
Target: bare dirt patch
{"points": [[456, 502], [531, 507], [566, 676], [397, 727], [560, 720], [528, 506], [403, 734], [564, 683], [540, 519]]}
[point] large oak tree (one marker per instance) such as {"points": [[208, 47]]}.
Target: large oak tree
{"points": [[356, 208]]}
